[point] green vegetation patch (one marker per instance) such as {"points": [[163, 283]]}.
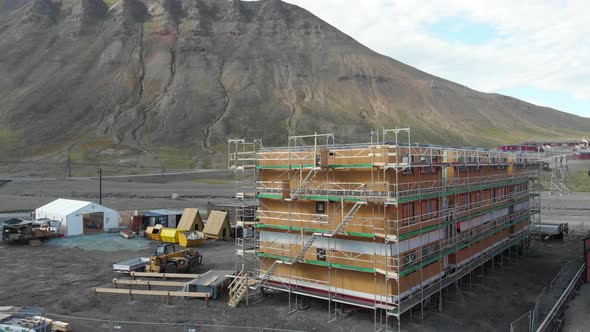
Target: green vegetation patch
{"points": [[214, 181], [153, 26], [579, 180], [109, 3], [7, 136], [102, 151], [175, 158], [9, 142]]}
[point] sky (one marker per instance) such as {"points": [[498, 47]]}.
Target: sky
{"points": [[534, 50]]}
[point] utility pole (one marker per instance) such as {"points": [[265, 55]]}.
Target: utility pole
{"points": [[69, 167], [100, 186]]}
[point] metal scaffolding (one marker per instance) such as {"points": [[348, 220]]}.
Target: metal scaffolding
{"points": [[409, 219], [242, 161], [559, 175]]}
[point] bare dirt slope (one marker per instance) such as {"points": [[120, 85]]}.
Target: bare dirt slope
{"points": [[164, 82]]}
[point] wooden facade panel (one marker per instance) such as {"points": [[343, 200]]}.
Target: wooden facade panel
{"points": [[521, 225], [416, 278], [277, 175], [459, 256], [327, 255], [353, 280], [422, 180], [345, 279], [368, 219], [366, 172]]}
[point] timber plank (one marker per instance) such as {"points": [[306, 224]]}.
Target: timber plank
{"points": [[149, 292], [165, 275]]}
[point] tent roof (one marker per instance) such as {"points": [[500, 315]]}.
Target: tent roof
{"points": [[63, 206]]}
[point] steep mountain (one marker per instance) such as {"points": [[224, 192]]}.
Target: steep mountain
{"points": [[166, 82]]}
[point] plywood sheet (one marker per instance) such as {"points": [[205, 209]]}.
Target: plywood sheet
{"points": [[191, 220], [217, 226]]}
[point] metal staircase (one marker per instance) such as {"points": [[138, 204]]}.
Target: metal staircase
{"points": [[269, 272], [348, 217], [299, 257], [304, 249], [307, 180]]}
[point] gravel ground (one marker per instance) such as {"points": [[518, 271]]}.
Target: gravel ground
{"points": [[59, 279], [118, 193], [576, 315]]}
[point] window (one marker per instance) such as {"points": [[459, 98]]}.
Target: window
{"points": [[427, 170], [424, 208], [320, 207], [477, 199], [434, 207], [429, 208], [408, 171], [321, 254], [450, 231], [410, 258], [462, 202], [429, 250], [408, 212]]}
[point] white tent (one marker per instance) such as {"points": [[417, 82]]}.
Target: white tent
{"points": [[79, 217]]}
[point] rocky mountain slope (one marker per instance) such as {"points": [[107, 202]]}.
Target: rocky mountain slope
{"points": [[166, 82]]}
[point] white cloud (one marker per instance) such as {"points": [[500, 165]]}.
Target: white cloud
{"points": [[540, 44]]}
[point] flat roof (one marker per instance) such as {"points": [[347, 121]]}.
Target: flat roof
{"points": [[4, 316], [162, 212]]}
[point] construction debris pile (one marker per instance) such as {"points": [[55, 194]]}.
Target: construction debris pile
{"points": [[27, 231], [191, 230], [23, 319]]}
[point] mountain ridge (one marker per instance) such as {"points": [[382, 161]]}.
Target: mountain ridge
{"points": [[166, 82]]}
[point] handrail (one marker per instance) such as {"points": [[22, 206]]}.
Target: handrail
{"points": [[549, 318]]}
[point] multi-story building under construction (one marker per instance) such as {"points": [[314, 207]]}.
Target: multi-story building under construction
{"points": [[384, 225]]}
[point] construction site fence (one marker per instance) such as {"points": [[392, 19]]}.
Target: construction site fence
{"points": [[81, 324], [549, 297]]}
